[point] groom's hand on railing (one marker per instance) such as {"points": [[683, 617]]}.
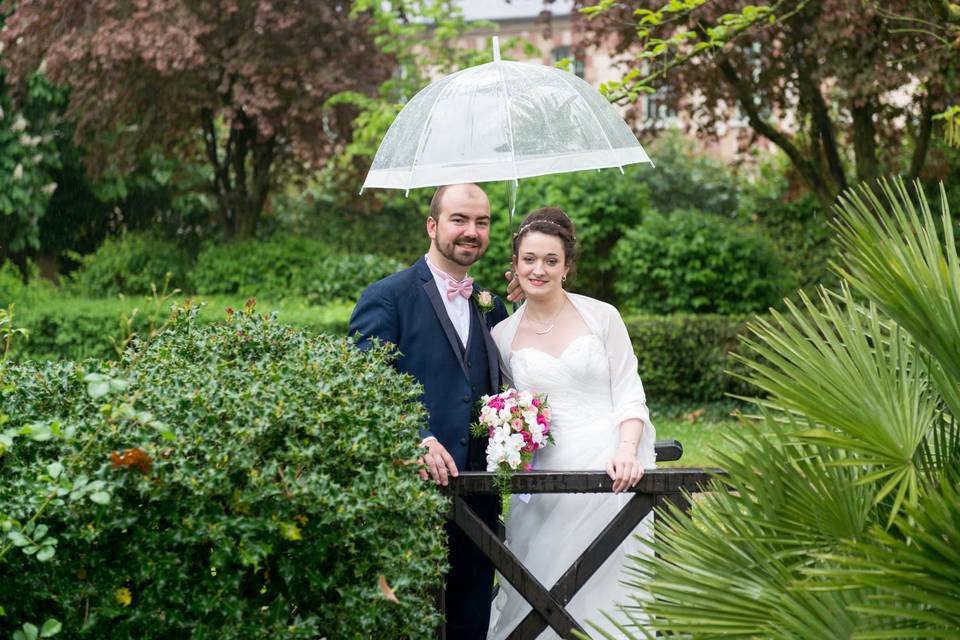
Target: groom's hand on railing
{"points": [[514, 292], [439, 463]]}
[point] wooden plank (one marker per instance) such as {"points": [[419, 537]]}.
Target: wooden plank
{"points": [[513, 570], [671, 480], [589, 561]]}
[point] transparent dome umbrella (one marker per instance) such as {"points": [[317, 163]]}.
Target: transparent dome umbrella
{"points": [[501, 121]]}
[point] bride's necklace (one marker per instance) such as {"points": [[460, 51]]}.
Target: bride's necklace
{"points": [[550, 325]]}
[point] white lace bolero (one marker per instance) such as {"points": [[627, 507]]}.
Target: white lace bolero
{"points": [[604, 321]]}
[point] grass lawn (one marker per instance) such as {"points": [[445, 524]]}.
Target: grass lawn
{"points": [[699, 429]]}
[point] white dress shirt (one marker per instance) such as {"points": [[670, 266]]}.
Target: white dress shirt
{"points": [[458, 309]]}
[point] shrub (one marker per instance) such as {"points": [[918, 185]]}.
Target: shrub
{"points": [[345, 277], [11, 283], [132, 264], [236, 480], [261, 268], [77, 328], [684, 357], [603, 204], [687, 178], [287, 266], [695, 262]]}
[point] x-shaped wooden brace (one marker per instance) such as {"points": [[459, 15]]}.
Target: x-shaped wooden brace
{"points": [[655, 490]]}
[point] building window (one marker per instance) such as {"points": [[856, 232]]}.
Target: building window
{"points": [[656, 110], [559, 53]]}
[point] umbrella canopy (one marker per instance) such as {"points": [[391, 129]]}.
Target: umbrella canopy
{"points": [[502, 121]]}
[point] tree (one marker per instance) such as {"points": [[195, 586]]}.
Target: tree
{"points": [[240, 85], [28, 159], [843, 87]]}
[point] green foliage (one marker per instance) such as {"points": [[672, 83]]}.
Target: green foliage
{"points": [[133, 263], [602, 204], [343, 278], [287, 266], [67, 328], [255, 267], [686, 178], [695, 262], [28, 158], [685, 357], [682, 358], [842, 500], [237, 480]]}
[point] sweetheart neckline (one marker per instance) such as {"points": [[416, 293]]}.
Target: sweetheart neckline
{"points": [[550, 355]]}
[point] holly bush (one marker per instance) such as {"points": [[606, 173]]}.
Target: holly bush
{"points": [[234, 480]]}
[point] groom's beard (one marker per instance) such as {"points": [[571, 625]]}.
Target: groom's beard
{"points": [[449, 251]]}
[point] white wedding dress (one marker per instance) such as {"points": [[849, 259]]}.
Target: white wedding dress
{"points": [[549, 531]]}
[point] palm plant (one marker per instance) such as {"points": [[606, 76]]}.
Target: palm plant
{"points": [[840, 516]]}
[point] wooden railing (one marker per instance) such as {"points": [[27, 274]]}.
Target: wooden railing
{"points": [[657, 488]]}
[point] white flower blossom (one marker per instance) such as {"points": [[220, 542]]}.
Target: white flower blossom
{"points": [[495, 455], [513, 446], [48, 189], [19, 124], [18, 172]]}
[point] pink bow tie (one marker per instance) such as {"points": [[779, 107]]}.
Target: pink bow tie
{"points": [[464, 288]]}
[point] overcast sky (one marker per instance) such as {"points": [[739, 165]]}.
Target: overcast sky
{"points": [[499, 9]]}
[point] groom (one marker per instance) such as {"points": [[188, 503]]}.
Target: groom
{"points": [[431, 313]]}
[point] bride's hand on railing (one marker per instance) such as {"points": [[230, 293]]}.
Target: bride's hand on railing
{"points": [[624, 468]]}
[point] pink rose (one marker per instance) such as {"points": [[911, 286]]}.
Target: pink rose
{"points": [[517, 425], [535, 402], [528, 467], [496, 402]]}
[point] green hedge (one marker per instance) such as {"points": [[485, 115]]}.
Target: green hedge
{"points": [[238, 480], [287, 266], [684, 357], [132, 264], [63, 327]]}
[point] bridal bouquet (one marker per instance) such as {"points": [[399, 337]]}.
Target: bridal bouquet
{"points": [[518, 423]]}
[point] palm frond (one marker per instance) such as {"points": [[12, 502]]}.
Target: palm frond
{"points": [[857, 377], [734, 566], [913, 569], [893, 254]]}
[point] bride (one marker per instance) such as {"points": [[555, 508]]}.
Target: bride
{"points": [[576, 350]]}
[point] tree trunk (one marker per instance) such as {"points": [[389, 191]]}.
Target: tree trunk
{"points": [[816, 179], [241, 174], [865, 143]]}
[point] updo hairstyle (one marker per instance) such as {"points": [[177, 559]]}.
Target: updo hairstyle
{"points": [[551, 221]]}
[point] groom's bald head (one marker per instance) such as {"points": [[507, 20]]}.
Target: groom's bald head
{"points": [[468, 191]]}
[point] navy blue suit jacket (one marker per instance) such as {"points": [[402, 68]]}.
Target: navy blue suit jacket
{"points": [[406, 309]]}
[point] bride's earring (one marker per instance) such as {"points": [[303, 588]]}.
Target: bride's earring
{"points": [[564, 278]]}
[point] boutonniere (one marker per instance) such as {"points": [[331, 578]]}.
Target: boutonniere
{"points": [[484, 300]]}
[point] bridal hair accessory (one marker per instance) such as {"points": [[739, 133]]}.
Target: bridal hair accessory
{"points": [[535, 221], [517, 423]]}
